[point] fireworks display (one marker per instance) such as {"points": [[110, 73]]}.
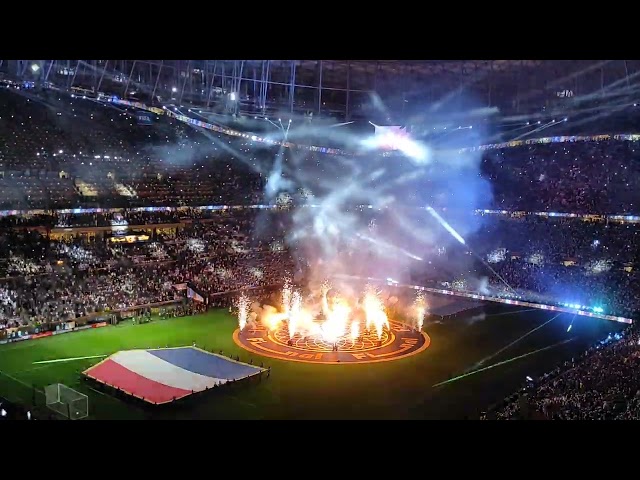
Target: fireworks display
{"points": [[420, 310], [286, 297], [243, 311], [374, 311], [325, 315]]}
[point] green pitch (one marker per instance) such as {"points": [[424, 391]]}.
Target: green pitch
{"points": [[401, 389]]}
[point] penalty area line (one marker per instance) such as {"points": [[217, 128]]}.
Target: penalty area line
{"points": [[59, 360], [499, 364]]}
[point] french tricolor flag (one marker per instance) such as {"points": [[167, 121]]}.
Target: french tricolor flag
{"points": [[164, 375]]}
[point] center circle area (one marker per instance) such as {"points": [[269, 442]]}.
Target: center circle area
{"points": [[397, 341]]}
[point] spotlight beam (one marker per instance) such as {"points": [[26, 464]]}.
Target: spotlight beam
{"points": [[459, 238], [446, 225], [380, 243], [541, 127]]}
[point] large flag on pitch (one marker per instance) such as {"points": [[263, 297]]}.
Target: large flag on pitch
{"points": [[162, 375]]}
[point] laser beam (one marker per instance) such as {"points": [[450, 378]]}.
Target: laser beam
{"points": [[519, 339], [519, 357]]}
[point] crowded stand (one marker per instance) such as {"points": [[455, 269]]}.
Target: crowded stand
{"points": [[561, 261], [564, 260], [62, 152], [589, 177], [50, 281]]}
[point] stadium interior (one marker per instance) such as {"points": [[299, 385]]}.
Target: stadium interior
{"points": [[493, 207]]}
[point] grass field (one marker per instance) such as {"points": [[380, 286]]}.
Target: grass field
{"points": [[402, 389]]}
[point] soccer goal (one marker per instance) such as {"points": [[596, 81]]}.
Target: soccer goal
{"points": [[67, 401]]}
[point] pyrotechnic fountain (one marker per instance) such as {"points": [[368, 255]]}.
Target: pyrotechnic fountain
{"points": [[420, 310], [374, 311], [243, 311], [334, 321], [286, 296]]}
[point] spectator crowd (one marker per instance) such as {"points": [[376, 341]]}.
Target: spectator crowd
{"points": [[46, 281], [595, 177]]}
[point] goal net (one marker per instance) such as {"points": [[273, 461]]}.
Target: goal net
{"points": [[67, 401]]}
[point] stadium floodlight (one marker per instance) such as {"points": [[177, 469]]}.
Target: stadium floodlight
{"points": [[174, 89], [35, 67], [232, 96]]}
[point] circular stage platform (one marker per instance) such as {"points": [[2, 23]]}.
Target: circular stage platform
{"points": [[399, 341]]}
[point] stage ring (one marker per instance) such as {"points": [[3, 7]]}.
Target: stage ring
{"points": [[399, 341]]}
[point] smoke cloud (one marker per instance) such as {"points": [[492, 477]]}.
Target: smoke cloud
{"points": [[367, 214]]}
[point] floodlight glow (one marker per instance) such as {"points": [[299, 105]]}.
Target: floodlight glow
{"points": [[392, 141], [35, 67]]}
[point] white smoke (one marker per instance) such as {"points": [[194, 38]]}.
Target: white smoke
{"points": [[483, 286], [345, 194], [476, 318], [333, 225]]}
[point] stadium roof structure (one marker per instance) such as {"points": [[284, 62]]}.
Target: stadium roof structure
{"points": [[340, 88]]}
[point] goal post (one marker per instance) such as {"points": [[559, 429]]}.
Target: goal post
{"points": [[66, 401]]}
